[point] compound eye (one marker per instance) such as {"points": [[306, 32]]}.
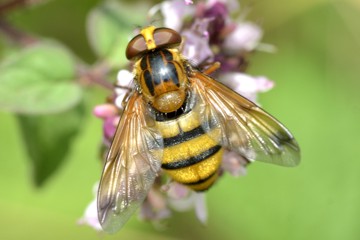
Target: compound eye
{"points": [[166, 36], [136, 46], [162, 37]]}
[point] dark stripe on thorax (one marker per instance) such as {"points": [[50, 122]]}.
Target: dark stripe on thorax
{"points": [[192, 160], [183, 137], [167, 55]]}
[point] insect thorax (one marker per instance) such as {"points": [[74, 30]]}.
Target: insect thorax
{"points": [[162, 79]]}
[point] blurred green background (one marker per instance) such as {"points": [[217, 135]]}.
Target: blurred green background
{"points": [[317, 76]]}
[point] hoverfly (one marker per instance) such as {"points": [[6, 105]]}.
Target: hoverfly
{"points": [[180, 120]]}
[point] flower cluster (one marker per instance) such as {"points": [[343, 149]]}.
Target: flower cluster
{"points": [[209, 35]]}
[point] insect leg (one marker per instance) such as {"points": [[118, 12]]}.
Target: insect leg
{"points": [[213, 67]]}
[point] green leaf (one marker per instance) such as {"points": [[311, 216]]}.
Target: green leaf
{"points": [[110, 26], [38, 80], [48, 140]]}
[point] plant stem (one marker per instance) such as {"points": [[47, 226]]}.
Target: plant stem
{"points": [[5, 7], [95, 76], [16, 35]]}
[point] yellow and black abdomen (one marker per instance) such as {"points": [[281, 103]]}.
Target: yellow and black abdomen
{"points": [[190, 155]]}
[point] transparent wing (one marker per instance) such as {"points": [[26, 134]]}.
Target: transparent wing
{"points": [[242, 126], [132, 164]]}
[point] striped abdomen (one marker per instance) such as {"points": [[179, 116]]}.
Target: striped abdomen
{"points": [[190, 156]]}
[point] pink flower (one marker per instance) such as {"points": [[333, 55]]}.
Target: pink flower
{"points": [[196, 47], [174, 12], [245, 37], [155, 206], [110, 114], [246, 85], [123, 85], [182, 198], [234, 164], [232, 5], [91, 216], [109, 126], [124, 78], [105, 111], [218, 14]]}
